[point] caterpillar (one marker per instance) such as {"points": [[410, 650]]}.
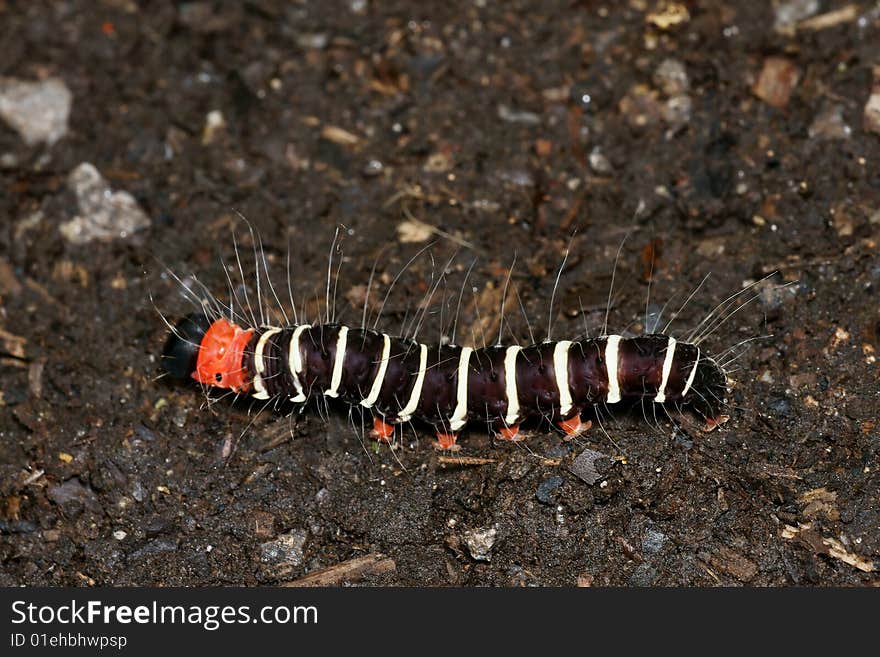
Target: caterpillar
{"points": [[445, 386]]}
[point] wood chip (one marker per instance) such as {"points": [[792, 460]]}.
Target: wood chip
{"points": [[464, 460], [777, 80], [347, 571], [845, 14], [9, 283], [339, 136], [414, 231], [734, 564], [668, 14], [837, 550], [872, 107], [12, 344], [585, 580], [35, 377], [812, 540]]}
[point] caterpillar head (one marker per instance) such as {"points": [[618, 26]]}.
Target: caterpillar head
{"points": [[212, 353]]}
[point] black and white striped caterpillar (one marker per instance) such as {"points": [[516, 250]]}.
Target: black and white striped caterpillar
{"points": [[445, 386]]}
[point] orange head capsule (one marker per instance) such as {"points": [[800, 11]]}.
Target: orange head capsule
{"points": [[221, 356], [210, 353]]}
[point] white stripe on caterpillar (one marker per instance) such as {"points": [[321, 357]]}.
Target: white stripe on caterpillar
{"points": [[295, 364], [407, 411], [690, 381], [510, 385], [336, 378], [370, 399], [560, 369], [259, 366], [667, 368], [459, 416], [611, 345]]}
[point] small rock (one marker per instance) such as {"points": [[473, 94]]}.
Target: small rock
{"points": [[545, 490], [773, 296], [204, 17], [214, 124], [780, 406], [312, 41], [829, 124], [144, 432], [156, 546], [73, 497], [653, 541], [119, 535], [157, 525], [790, 12], [17, 527], [672, 78], [286, 550], [479, 543], [872, 107], [584, 466], [777, 80], [424, 65], [517, 177], [373, 168], [179, 417], [438, 162], [682, 440], [644, 575], [103, 214], [677, 111], [138, 492], [38, 111], [599, 163], [505, 113], [711, 247]]}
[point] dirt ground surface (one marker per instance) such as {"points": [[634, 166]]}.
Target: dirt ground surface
{"points": [[734, 139]]}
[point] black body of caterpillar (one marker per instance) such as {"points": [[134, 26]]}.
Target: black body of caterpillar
{"points": [[445, 386]]}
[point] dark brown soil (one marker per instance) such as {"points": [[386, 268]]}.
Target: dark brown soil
{"points": [[504, 127]]}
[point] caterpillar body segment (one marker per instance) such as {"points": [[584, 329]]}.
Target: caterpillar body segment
{"points": [[446, 386]]}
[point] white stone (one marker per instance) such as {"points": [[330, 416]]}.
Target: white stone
{"points": [[38, 111], [104, 214]]}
